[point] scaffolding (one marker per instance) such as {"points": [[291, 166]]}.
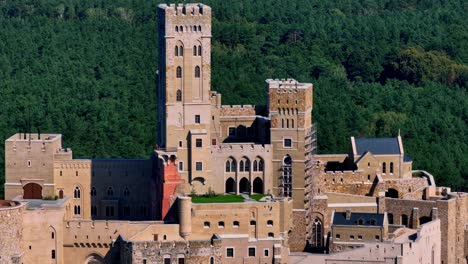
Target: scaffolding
{"points": [[310, 162]]}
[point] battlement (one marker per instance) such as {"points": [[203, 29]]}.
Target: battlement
{"points": [[186, 9], [27, 137], [287, 85]]}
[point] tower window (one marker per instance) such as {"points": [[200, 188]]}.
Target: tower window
{"points": [[179, 96], [199, 50], [199, 166], [194, 50], [176, 51], [197, 119], [176, 28], [384, 167], [77, 193], [198, 142], [179, 72], [287, 143], [197, 71], [391, 167], [181, 166], [181, 51]]}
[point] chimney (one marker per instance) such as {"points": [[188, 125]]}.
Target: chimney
{"points": [[348, 214]]}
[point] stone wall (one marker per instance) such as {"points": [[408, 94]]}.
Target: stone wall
{"points": [[297, 238], [11, 232]]}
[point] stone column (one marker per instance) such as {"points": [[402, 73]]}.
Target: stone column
{"points": [[415, 218]]}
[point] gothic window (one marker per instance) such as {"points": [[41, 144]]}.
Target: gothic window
{"points": [[181, 50], [176, 28], [384, 167], [228, 166], [317, 233], [233, 166], [179, 72], [194, 50], [77, 210], [77, 192], [199, 50], [255, 165], [391, 167], [110, 191], [126, 192], [247, 165], [292, 123], [181, 28], [260, 165], [199, 28], [179, 96], [93, 191], [197, 71], [176, 51], [287, 176], [241, 165]]}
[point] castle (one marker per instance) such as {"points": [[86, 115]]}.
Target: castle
{"points": [[367, 205]]}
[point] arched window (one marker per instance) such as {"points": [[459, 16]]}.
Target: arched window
{"points": [[391, 167], [282, 123], [241, 165], [247, 165], [77, 210], [270, 223], [228, 166], [390, 219], [404, 220], [199, 50], [176, 51], [292, 123], [77, 193], [360, 221], [194, 50], [93, 191], [260, 165], [287, 123], [233, 166], [255, 165], [179, 96], [126, 192], [179, 72], [110, 191], [176, 28], [212, 261], [194, 28], [199, 28], [287, 176], [181, 50], [197, 71], [181, 28], [384, 167], [317, 237]]}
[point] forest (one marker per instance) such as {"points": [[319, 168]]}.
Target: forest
{"points": [[87, 69]]}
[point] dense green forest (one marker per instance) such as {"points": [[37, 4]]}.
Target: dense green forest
{"points": [[86, 69]]}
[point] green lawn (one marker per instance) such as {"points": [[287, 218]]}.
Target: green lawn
{"points": [[257, 197], [218, 199]]}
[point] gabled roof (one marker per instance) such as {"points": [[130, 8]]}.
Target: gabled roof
{"points": [[364, 219], [377, 146]]}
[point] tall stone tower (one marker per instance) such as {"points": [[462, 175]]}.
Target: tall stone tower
{"points": [[184, 106], [290, 110]]}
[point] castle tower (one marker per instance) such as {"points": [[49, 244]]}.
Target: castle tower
{"points": [[290, 110], [184, 107]]}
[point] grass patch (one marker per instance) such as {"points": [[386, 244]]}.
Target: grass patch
{"points": [[257, 197], [230, 198]]}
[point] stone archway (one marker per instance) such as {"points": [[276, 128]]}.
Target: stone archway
{"points": [[230, 185], [32, 191], [258, 185], [391, 193], [244, 186]]}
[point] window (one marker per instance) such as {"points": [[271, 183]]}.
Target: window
{"points": [[61, 173], [212, 261], [197, 119], [287, 176], [144, 261], [317, 231], [251, 252], [252, 222], [292, 123], [271, 235], [260, 165], [197, 71], [391, 167], [377, 237], [77, 210], [180, 144], [228, 166], [126, 192], [110, 191], [179, 72], [93, 210], [179, 96], [360, 222], [198, 142], [270, 223], [232, 131], [194, 50], [176, 28], [77, 193], [181, 51], [373, 222], [176, 51], [351, 237], [76, 173], [93, 191], [390, 219], [384, 168], [109, 210], [287, 143], [255, 165], [241, 165], [229, 252], [53, 254], [266, 252], [206, 224], [213, 141], [404, 220], [167, 260], [199, 47], [29, 163], [337, 236], [220, 224], [181, 260], [181, 166], [199, 166], [359, 237], [282, 123], [235, 224], [247, 165], [52, 235]]}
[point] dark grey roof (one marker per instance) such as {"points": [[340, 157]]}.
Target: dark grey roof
{"points": [[406, 158], [377, 146], [368, 219]]}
